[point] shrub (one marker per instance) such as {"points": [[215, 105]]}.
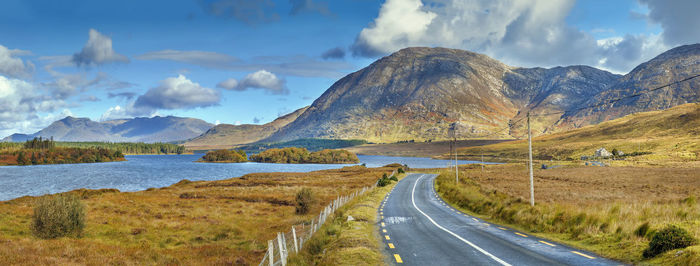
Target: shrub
{"points": [[393, 178], [401, 171], [57, 216], [305, 198], [383, 182], [669, 238]]}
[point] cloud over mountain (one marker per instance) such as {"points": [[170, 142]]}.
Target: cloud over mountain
{"points": [[178, 93], [97, 51], [528, 33], [264, 80]]}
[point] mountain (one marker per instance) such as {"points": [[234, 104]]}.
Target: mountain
{"points": [[421, 93], [673, 65], [231, 135], [418, 93], [140, 129]]}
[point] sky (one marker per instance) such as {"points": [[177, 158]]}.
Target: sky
{"points": [[251, 61]]}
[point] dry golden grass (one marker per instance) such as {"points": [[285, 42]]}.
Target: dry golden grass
{"points": [[343, 242], [192, 223], [594, 208], [416, 149], [672, 137]]}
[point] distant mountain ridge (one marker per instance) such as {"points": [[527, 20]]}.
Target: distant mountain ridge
{"points": [[140, 129], [228, 135], [420, 93]]}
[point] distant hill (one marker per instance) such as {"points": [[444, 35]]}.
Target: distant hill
{"points": [[227, 135], [672, 134], [420, 93], [140, 129]]}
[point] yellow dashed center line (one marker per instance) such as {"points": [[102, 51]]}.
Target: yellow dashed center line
{"points": [[398, 258], [383, 224], [383, 230], [382, 216], [387, 237], [391, 246], [547, 243], [486, 224], [475, 219], [520, 234], [503, 228], [582, 255]]}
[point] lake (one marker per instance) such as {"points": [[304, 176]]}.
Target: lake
{"points": [[140, 172]]}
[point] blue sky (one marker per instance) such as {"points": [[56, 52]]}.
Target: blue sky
{"points": [[249, 61]]}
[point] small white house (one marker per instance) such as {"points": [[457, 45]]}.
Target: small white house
{"points": [[602, 152]]}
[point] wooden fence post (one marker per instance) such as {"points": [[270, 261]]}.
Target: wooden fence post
{"points": [[281, 249], [294, 235], [271, 252]]}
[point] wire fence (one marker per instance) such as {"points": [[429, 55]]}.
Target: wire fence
{"points": [[291, 242]]}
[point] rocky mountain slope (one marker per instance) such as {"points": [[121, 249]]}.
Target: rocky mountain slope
{"points": [[671, 66], [140, 129], [226, 135], [421, 93], [418, 93]]}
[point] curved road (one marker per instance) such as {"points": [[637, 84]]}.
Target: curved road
{"points": [[418, 228]]}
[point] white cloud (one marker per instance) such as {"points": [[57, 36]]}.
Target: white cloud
{"points": [[400, 23], [521, 33], [23, 107], [128, 111], [12, 66], [263, 79], [229, 84], [217, 122], [202, 58], [98, 50], [178, 93]]}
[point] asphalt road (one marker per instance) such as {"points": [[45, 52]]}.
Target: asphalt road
{"points": [[418, 228]]}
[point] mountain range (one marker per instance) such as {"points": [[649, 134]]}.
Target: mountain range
{"points": [[140, 129], [420, 93], [423, 93]]}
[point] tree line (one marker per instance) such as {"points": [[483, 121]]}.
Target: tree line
{"points": [[123, 147], [302, 155]]}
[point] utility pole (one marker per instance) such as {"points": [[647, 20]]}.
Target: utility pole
{"points": [[456, 164], [529, 148]]}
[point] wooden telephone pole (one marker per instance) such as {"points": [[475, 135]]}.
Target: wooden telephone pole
{"points": [[529, 148]]}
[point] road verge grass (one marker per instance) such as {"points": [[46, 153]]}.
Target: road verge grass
{"points": [[344, 241], [610, 228]]}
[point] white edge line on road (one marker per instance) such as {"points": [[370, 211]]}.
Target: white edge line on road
{"points": [[450, 232]]}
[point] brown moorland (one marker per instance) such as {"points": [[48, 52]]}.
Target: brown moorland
{"points": [[193, 223], [597, 208]]}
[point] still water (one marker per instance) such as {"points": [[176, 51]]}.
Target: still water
{"points": [[140, 172]]}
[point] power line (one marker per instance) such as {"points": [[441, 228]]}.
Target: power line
{"points": [[622, 98], [510, 124]]}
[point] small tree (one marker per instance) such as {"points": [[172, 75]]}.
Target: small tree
{"points": [[57, 216], [21, 160], [305, 198]]}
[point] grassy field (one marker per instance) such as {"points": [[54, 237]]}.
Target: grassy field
{"points": [[191, 223], [343, 242], [416, 149], [672, 137], [596, 208]]}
